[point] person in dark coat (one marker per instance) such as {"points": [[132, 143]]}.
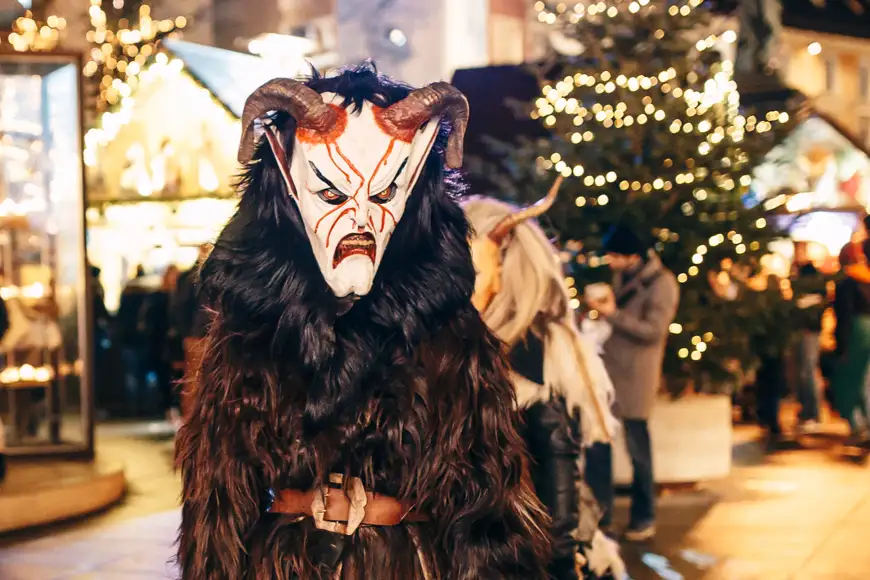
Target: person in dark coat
{"points": [[156, 325], [810, 297], [640, 310], [105, 378], [188, 319], [129, 333], [189, 324], [770, 344]]}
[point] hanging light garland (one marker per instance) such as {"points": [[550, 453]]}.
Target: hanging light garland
{"points": [[720, 90], [120, 54], [29, 34], [550, 12]]}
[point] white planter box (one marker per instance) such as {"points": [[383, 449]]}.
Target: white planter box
{"points": [[691, 441]]}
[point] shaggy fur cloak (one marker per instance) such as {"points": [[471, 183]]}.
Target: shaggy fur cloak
{"points": [[407, 390]]}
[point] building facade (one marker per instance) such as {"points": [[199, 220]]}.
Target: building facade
{"points": [[834, 71]]}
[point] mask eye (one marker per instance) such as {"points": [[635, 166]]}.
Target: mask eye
{"points": [[385, 196], [331, 196]]}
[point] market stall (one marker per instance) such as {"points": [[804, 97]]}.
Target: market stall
{"points": [[161, 165], [820, 176]]}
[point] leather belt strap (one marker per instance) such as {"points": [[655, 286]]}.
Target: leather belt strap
{"points": [[337, 511]]}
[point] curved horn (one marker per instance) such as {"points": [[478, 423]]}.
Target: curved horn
{"points": [[504, 227], [294, 97], [423, 104]]}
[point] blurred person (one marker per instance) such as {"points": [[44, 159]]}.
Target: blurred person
{"points": [[640, 309], [188, 318], [129, 332], [156, 326], [852, 333], [770, 343], [189, 321], [809, 287], [563, 389], [104, 379]]}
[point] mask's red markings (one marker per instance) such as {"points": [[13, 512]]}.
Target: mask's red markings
{"points": [[329, 213], [362, 180], [335, 223], [311, 137], [384, 217], [337, 166], [380, 164]]}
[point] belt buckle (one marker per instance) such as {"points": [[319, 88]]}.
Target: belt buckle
{"points": [[356, 514]]}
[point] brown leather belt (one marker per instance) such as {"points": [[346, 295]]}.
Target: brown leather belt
{"points": [[337, 511]]}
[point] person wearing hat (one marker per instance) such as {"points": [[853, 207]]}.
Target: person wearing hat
{"points": [[640, 310]]}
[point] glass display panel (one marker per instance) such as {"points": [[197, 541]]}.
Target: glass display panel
{"points": [[45, 394]]}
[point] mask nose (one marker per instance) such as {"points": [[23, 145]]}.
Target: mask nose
{"points": [[361, 216]]}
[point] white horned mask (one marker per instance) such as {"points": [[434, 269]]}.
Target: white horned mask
{"points": [[351, 173]]}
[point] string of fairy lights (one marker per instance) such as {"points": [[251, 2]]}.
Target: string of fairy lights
{"points": [[549, 13], [30, 34], [122, 51], [125, 58], [711, 111], [718, 90], [112, 121]]}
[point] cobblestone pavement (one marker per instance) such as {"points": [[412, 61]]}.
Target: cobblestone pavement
{"points": [[800, 514], [139, 549]]}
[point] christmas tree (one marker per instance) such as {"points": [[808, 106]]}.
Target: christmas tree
{"points": [[124, 36], [646, 120]]}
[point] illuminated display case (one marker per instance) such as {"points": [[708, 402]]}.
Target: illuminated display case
{"points": [[45, 352]]}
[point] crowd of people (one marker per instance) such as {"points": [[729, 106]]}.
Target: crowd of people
{"points": [[142, 347], [798, 355]]}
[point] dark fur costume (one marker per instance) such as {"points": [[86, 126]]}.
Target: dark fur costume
{"points": [[408, 390]]}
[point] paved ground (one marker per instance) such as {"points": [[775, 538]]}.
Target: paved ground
{"points": [[798, 515]]}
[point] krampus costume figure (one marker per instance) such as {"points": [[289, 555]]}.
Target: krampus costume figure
{"points": [[563, 389], [353, 416]]}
